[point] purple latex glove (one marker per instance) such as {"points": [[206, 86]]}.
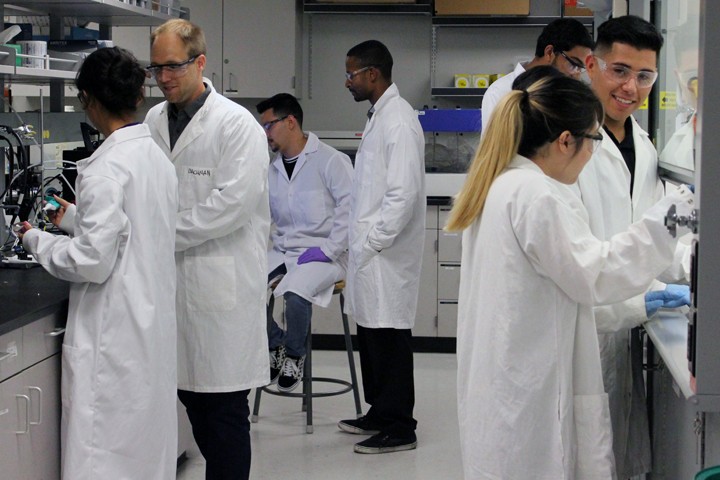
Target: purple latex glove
{"points": [[313, 254]]}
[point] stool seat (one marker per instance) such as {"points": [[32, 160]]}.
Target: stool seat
{"points": [[307, 393]]}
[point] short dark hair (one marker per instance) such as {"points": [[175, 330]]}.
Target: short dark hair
{"points": [[532, 75], [114, 78], [373, 53], [282, 104], [563, 34], [629, 30]]}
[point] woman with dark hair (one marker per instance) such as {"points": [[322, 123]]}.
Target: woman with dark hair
{"points": [[531, 402], [119, 353]]}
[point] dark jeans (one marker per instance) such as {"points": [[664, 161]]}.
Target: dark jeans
{"points": [[298, 313], [221, 429], [386, 359]]}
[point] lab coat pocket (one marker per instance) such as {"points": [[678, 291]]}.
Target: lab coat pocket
{"points": [[595, 459], [195, 185], [210, 284]]}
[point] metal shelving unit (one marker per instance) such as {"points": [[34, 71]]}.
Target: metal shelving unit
{"points": [[500, 21], [104, 12]]}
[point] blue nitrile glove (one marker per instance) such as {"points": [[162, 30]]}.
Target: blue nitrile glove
{"points": [[313, 254], [673, 296]]}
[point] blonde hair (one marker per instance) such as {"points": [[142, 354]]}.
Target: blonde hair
{"points": [[190, 34], [523, 123], [492, 157]]}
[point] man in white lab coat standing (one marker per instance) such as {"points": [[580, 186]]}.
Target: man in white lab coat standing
{"points": [[220, 155], [309, 184], [617, 186], [387, 223]]}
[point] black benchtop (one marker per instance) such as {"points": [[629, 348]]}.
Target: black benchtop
{"points": [[27, 295]]}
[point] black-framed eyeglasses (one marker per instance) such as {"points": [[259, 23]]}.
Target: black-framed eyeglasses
{"points": [[576, 66], [268, 125], [595, 137], [174, 69], [350, 75], [622, 74]]}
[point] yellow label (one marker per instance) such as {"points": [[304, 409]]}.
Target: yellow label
{"points": [[668, 100], [46, 134], [644, 105]]}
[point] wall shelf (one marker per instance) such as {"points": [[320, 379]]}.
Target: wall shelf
{"points": [[500, 21], [457, 92], [371, 8]]}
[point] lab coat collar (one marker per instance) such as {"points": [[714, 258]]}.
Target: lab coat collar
{"points": [[120, 135], [524, 163], [387, 96], [311, 146], [194, 128]]}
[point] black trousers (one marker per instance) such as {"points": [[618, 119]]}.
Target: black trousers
{"points": [[221, 428], [386, 360]]}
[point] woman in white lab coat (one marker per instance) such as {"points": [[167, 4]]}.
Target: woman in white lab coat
{"points": [[119, 417], [531, 402]]}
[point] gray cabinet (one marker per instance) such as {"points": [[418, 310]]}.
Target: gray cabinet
{"points": [[30, 401], [252, 45]]}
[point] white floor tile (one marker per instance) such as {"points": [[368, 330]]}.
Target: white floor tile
{"points": [[282, 449]]}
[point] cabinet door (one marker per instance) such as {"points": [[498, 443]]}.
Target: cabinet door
{"points": [[33, 400], [42, 384], [9, 451], [426, 316], [208, 15], [259, 47]]}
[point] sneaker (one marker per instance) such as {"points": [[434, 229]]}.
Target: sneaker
{"points": [[277, 359], [386, 443], [291, 374], [359, 426]]}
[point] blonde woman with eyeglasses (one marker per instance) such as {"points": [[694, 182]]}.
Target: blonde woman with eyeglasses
{"points": [[531, 402]]}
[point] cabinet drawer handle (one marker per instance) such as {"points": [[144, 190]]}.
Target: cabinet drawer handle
{"points": [[27, 415], [40, 404], [4, 355], [56, 333]]}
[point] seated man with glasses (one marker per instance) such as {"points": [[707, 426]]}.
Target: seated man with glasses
{"points": [[617, 186], [564, 44], [309, 184]]}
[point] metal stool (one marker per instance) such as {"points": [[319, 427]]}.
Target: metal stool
{"points": [[307, 390]]}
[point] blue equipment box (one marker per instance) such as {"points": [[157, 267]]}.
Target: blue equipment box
{"points": [[455, 120]]}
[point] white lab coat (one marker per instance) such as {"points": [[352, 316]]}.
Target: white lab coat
{"points": [[530, 394], [310, 210], [495, 92], [221, 161], [679, 149], [604, 185], [119, 417], [387, 215]]}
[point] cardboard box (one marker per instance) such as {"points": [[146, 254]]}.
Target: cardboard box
{"points": [[482, 7], [481, 80], [578, 12], [365, 1]]}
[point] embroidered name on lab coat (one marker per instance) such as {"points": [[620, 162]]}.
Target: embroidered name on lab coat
{"points": [[199, 172]]}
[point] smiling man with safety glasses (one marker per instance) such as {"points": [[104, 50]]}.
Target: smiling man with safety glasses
{"points": [[619, 183]]}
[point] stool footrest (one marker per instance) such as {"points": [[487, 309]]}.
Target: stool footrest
{"points": [[347, 387]]}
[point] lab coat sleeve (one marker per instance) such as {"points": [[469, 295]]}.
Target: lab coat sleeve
{"points": [[405, 170], [490, 100], [558, 241], [67, 224], [679, 271], [338, 180], [242, 179], [101, 230]]}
